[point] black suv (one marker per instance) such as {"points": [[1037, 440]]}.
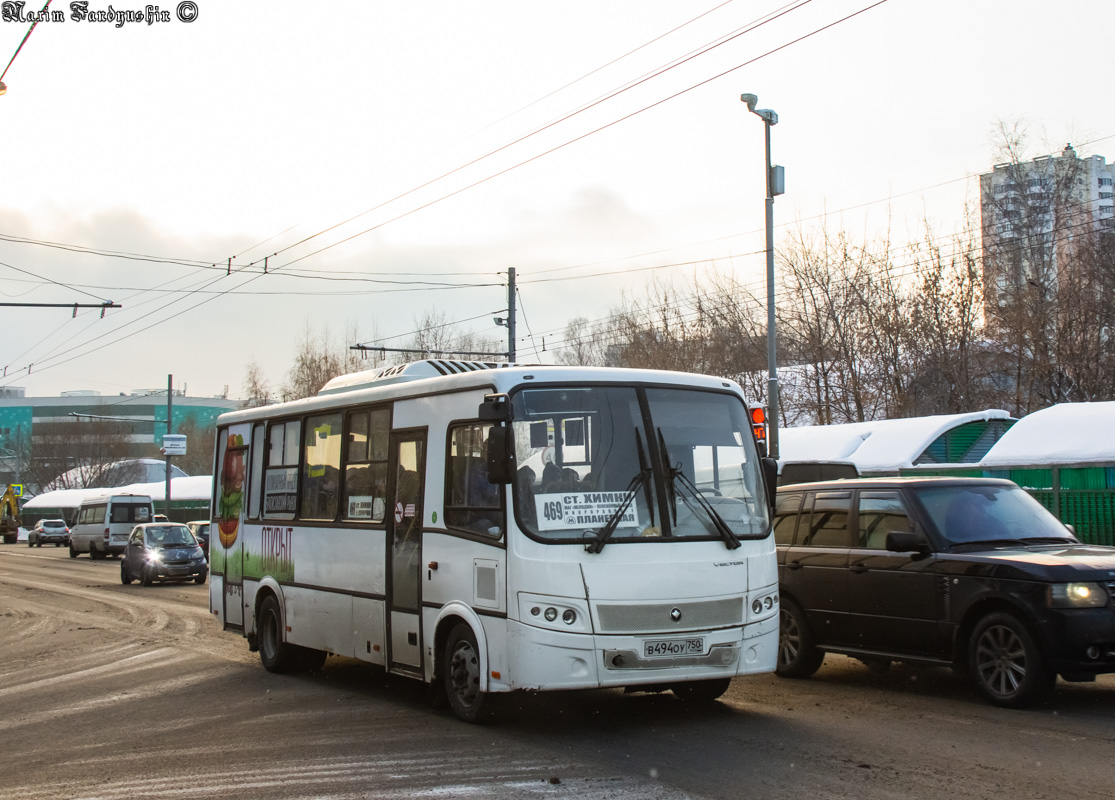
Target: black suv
{"points": [[968, 572]]}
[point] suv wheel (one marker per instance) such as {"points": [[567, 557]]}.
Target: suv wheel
{"points": [[798, 657], [1006, 663]]}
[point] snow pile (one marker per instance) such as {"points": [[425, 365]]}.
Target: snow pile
{"points": [[191, 487], [881, 446], [1068, 433]]}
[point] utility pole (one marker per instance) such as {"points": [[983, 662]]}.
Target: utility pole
{"points": [[169, 408], [511, 315]]}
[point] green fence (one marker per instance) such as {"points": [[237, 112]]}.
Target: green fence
{"points": [[1081, 495]]}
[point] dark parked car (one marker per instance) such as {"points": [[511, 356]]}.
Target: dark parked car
{"points": [[162, 551], [49, 531], [968, 572], [200, 530]]}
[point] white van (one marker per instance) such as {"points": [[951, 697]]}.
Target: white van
{"points": [[104, 522]]}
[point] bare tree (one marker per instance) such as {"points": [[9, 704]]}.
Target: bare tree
{"points": [[437, 337], [584, 343], [257, 389], [953, 367], [80, 454], [200, 442], [317, 360], [825, 329]]}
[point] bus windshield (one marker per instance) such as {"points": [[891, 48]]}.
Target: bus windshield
{"points": [[641, 463]]}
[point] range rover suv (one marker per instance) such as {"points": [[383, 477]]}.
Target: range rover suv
{"points": [[968, 572]]}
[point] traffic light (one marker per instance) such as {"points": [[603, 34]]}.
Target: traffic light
{"points": [[759, 426]]}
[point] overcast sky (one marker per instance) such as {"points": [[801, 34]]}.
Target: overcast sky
{"points": [[410, 140]]}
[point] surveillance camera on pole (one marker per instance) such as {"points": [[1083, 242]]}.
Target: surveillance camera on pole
{"points": [[776, 185]]}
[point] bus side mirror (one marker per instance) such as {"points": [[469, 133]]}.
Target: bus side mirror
{"points": [[770, 479], [500, 454], [495, 408]]}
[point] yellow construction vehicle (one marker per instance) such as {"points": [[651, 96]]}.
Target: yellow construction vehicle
{"points": [[9, 513]]}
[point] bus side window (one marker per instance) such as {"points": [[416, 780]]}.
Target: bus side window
{"points": [[280, 476], [365, 491], [255, 490], [472, 502], [321, 474]]}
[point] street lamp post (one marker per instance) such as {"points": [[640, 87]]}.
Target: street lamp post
{"points": [[776, 181]]}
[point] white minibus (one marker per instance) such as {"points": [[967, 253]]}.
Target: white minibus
{"points": [[488, 528], [103, 523]]}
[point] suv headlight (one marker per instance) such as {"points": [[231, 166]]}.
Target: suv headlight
{"points": [[1077, 595]]}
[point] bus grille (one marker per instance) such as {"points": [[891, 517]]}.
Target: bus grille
{"points": [[659, 617]]}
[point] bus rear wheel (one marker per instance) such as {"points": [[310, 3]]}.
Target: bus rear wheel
{"points": [[278, 655], [461, 671]]}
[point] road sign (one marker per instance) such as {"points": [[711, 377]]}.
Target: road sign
{"points": [[174, 444]]}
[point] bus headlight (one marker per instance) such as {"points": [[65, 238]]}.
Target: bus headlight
{"points": [[764, 605], [1077, 595], [554, 613]]}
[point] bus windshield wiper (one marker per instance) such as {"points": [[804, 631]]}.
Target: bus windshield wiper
{"points": [[609, 527], [676, 477]]}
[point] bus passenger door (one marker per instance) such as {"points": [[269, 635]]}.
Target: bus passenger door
{"points": [[226, 548], [406, 471]]}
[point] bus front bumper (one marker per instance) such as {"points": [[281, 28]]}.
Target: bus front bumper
{"points": [[540, 659]]}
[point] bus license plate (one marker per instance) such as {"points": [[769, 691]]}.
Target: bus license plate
{"points": [[666, 648]]}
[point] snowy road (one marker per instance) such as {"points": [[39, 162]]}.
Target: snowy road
{"points": [[111, 691]]}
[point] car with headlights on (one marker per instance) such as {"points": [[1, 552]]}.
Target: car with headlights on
{"points": [[972, 573], [162, 551], [49, 531]]}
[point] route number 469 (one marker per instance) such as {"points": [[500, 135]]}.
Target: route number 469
{"points": [[552, 511]]}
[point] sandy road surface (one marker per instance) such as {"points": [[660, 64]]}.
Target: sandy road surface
{"points": [[112, 691]]}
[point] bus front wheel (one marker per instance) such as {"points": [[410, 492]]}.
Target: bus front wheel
{"points": [[461, 671]]}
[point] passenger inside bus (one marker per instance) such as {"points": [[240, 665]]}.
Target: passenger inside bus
{"points": [[524, 487]]}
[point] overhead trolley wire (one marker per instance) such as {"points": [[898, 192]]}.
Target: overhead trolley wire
{"points": [[560, 146], [23, 41], [746, 29]]}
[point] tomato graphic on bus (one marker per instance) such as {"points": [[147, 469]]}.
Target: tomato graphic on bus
{"points": [[229, 503]]}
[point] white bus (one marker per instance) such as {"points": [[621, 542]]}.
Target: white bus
{"points": [[489, 528]]}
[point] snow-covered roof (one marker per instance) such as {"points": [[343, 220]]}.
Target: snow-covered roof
{"points": [[1067, 433], [142, 469], [195, 487], [880, 446]]}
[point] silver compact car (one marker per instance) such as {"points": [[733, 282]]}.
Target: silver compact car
{"points": [[49, 531], [162, 551]]}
